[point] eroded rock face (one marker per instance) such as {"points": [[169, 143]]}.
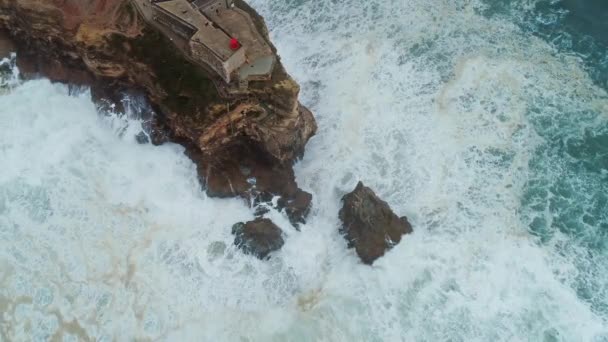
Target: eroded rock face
{"points": [[6, 45], [237, 141], [369, 225], [259, 237]]}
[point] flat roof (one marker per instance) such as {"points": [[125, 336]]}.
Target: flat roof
{"points": [[237, 24], [214, 38]]}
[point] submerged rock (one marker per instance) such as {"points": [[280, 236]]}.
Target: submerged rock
{"points": [[297, 207], [142, 138], [369, 225], [259, 237]]}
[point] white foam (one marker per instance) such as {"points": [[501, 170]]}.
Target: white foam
{"points": [[425, 102], [9, 73]]}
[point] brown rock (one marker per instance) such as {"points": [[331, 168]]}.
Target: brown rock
{"points": [[369, 225], [259, 237], [6, 45], [107, 45], [297, 207]]}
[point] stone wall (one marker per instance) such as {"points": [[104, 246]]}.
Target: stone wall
{"points": [[208, 6], [234, 62], [203, 53], [173, 23]]}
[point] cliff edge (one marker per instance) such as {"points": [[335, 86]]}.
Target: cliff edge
{"points": [[207, 67]]}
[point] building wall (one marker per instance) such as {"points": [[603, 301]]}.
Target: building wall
{"points": [[225, 69], [175, 25], [202, 53], [212, 5], [235, 61], [199, 51]]}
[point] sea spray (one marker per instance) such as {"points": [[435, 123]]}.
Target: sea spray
{"points": [[9, 73], [460, 108], [451, 115]]}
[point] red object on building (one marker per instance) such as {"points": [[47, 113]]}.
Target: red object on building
{"points": [[234, 44]]}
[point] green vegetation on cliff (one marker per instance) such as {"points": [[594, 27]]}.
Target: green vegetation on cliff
{"points": [[189, 89]]}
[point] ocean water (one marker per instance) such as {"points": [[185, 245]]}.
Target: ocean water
{"points": [[485, 122]]}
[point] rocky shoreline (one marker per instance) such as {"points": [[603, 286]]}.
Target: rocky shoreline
{"points": [[244, 144]]}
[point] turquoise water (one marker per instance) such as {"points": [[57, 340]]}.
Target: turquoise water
{"points": [[484, 122], [566, 198], [558, 114], [577, 27]]}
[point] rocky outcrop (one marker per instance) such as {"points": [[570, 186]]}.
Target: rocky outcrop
{"points": [[369, 225], [296, 207], [243, 145], [259, 237]]}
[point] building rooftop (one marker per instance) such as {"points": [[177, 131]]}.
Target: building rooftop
{"points": [[208, 33], [212, 24], [238, 24]]}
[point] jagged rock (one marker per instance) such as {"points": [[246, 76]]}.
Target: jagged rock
{"points": [[261, 202], [369, 225], [297, 207], [142, 138], [259, 237], [156, 131], [107, 45]]}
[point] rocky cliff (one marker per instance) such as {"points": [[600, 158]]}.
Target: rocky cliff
{"points": [[370, 225], [244, 145]]}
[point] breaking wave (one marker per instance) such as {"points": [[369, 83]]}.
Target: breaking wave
{"points": [[462, 115]]}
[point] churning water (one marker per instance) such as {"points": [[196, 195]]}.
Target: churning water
{"points": [[486, 123]]}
